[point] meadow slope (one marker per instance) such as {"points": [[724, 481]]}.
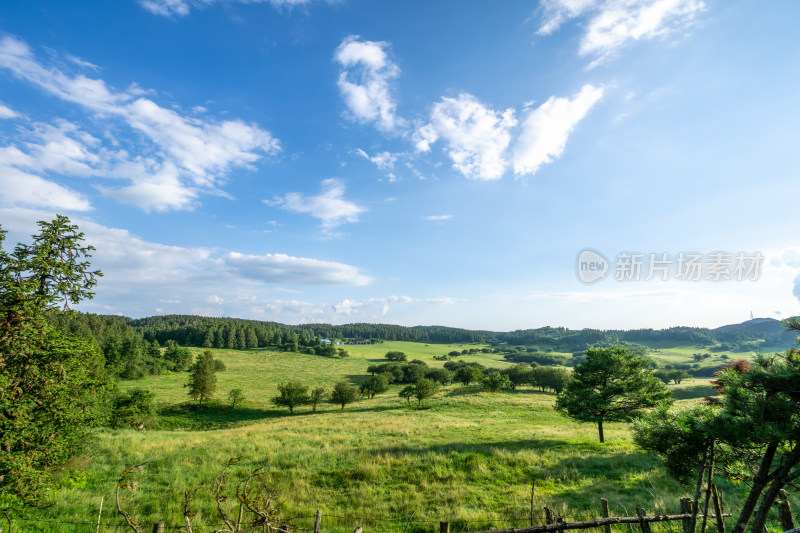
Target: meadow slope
{"points": [[468, 457]]}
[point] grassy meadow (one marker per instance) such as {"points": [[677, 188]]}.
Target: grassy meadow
{"points": [[468, 456]]}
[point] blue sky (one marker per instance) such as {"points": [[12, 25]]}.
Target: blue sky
{"points": [[410, 162]]}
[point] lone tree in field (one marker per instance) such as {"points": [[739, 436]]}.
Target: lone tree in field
{"points": [[612, 385], [344, 393], [53, 386], [396, 356], [235, 396], [317, 395], [424, 389], [203, 378], [292, 394]]}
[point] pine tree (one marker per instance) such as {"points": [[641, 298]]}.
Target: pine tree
{"points": [[203, 378], [612, 385], [53, 387]]}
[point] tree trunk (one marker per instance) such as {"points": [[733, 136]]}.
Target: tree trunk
{"points": [[766, 502], [759, 482], [708, 488], [696, 501], [600, 429], [780, 477]]}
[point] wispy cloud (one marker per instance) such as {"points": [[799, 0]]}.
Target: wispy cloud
{"points": [[476, 136], [382, 160], [329, 205], [6, 112], [545, 129], [366, 72], [170, 157], [611, 24], [438, 218], [181, 8]]}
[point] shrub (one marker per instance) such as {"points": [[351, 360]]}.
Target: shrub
{"points": [[396, 356], [134, 409]]}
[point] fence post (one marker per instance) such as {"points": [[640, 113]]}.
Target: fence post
{"points": [[444, 527], [686, 508], [548, 515], [158, 527], [533, 487], [604, 507], [641, 513], [785, 511], [718, 509], [318, 522]]}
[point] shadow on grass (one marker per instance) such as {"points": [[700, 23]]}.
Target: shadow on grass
{"points": [[212, 416], [462, 390], [621, 472], [692, 392]]}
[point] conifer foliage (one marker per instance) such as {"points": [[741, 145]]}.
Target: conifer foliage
{"points": [[53, 387]]}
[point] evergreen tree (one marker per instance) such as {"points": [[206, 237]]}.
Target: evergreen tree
{"points": [[176, 357], [251, 340], [53, 386], [208, 340], [203, 378], [612, 384]]}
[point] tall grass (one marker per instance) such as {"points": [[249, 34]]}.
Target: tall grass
{"points": [[469, 457]]}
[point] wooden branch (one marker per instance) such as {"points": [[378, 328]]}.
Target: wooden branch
{"points": [[187, 497], [122, 483]]}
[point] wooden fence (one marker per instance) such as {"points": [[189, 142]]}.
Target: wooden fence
{"points": [[555, 523]]}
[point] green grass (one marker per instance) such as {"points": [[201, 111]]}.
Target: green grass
{"points": [[469, 457]]}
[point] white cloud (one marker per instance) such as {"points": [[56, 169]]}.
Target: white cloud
{"points": [[364, 82], [159, 189], [181, 8], [545, 129], [22, 188], [329, 205], [438, 218], [281, 268], [168, 157], [6, 112], [382, 160], [82, 63], [613, 23], [140, 275], [476, 136]]}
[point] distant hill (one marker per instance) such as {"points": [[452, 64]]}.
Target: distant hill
{"points": [[190, 330]]}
